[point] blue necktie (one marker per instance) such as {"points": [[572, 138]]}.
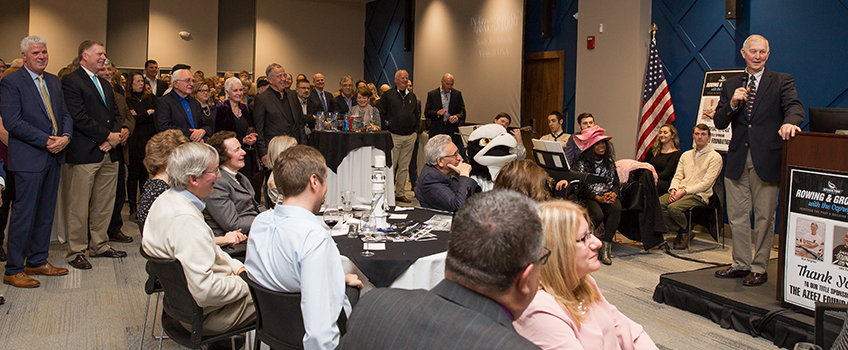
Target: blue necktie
{"points": [[99, 89]]}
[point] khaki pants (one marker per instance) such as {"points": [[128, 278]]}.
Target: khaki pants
{"points": [[401, 155], [675, 213], [743, 194], [228, 317], [90, 201]]}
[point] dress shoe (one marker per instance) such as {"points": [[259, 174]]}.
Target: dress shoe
{"points": [[46, 270], [2, 253], [80, 262], [120, 237], [21, 280], [755, 279], [730, 272], [403, 199], [682, 240], [111, 253]]}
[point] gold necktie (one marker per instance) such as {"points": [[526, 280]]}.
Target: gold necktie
{"points": [[49, 104]]}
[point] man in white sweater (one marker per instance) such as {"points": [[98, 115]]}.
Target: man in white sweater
{"points": [[692, 184], [175, 229]]}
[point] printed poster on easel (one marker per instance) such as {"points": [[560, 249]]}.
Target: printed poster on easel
{"points": [[710, 94], [816, 267]]}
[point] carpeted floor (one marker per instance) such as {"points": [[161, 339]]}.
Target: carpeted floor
{"points": [[103, 308]]}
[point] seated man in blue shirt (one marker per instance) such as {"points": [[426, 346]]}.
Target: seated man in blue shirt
{"points": [[444, 183], [289, 250]]}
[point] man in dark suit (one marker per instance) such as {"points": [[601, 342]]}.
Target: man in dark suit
{"points": [[178, 110], [484, 289], [151, 70], [342, 103], [445, 109], [401, 112], [127, 127], [307, 105], [277, 112], [444, 183], [764, 110], [39, 125], [321, 97], [92, 157]]}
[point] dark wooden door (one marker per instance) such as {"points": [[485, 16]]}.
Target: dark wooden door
{"points": [[541, 93]]}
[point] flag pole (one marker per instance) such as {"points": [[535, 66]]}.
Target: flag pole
{"points": [[653, 32]]}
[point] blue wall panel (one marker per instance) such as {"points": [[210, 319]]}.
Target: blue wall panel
{"points": [[384, 54]]}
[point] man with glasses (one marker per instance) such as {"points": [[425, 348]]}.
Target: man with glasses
{"points": [[177, 110], [444, 183], [492, 273]]}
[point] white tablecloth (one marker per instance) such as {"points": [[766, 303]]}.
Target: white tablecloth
{"points": [[355, 175]]}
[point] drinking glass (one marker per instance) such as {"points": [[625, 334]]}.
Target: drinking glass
{"points": [[332, 217], [347, 200], [250, 131], [367, 229]]}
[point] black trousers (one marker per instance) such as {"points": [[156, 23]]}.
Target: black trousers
{"points": [[136, 177], [609, 214], [117, 222], [8, 196]]}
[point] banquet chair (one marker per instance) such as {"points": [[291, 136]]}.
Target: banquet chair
{"points": [[710, 215], [151, 286], [829, 323], [179, 306], [279, 321]]}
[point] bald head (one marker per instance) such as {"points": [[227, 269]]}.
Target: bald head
{"points": [[182, 81], [318, 80], [447, 82]]}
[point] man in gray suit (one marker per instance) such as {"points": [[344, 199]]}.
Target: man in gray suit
{"points": [[491, 276]]}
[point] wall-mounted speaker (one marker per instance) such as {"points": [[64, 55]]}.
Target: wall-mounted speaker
{"points": [[409, 25], [733, 9], [547, 20]]}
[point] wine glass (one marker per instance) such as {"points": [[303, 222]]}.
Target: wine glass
{"points": [[367, 229], [332, 217], [250, 131]]}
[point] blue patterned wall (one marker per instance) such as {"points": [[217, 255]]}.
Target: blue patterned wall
{"points": [[806, 39], [384, 53], [563, 38]]}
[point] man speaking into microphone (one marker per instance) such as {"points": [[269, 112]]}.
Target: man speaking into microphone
{"points": [[763, 109]]}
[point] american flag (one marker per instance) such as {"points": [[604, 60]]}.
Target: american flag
{"points": [[657, 108]]}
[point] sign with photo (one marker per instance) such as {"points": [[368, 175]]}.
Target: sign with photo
{"points": [[816, 265], [710, 94]]}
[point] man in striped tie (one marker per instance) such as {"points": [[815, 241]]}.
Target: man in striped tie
{"points": [[763, 108]]}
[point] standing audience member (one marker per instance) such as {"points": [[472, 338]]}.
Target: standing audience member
{"points": [[762, 114], [275, 151], [234, 115], [177, 110], [142, 108], [176, 230], [277, 112], [584, 121], [445, 109], [151, 70], [156, 156], [374, 95], [569, 311], [691, 186], [557, 133], [444, 183], [289, 249], [92, 158], [484, 289], [400, 109], [318, 94], [39, 125], [202, 92], [370, 114], [601, 199], [307, 107], [342, 103], [664, 155]]}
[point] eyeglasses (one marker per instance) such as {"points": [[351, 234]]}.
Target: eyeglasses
{"points": [[203, 90], [214, 172], [454, 155], [544, 259]]}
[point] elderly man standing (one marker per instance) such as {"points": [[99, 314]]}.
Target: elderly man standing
{"points": [[276, 112], [763, 109], [444, 183], [92, 157], [321, 97], [484, 289], [39, 125], [445, 109], [175, 229], [178, 110], [400, 109], [345, 100]]}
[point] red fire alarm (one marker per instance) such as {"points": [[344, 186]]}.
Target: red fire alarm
{"points": [[590, 42]]}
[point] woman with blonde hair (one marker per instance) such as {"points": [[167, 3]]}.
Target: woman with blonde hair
{"points": [[569, 311], [275, 150]]}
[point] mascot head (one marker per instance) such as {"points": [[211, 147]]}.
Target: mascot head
{"points": [[489, 148]]}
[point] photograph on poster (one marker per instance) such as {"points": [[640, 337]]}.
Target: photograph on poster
{"points": [[708, 108], [840, 246], [809, 239]]}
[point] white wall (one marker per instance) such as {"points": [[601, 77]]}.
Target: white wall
{"points": [[66, 24], [168, 18], [309, 36], [610, 77]]}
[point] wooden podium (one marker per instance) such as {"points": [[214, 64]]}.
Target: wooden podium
{"points": [[818, 151]]}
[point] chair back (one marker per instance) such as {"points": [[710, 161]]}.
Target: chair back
{"points": [[178, 303], [830, 325]]}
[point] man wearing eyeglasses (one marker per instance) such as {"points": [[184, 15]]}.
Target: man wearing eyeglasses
{"points": [[178, 110], [444, 183], [492, 272]]}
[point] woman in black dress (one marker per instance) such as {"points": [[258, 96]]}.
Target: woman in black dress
{"points": [[234, 115], [664, 156], [142, 107]]}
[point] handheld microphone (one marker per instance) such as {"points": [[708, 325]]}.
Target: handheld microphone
{"points": [[744, 85]]}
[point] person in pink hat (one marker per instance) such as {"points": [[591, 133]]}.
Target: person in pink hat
{"points": [[597, 157]]}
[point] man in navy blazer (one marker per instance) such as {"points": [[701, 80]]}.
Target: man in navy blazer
{"points": [[495, 251], [92, 158], [764, 110], [321, 97], [445, 109], [345, 99], [178, 110], [33, 109]]}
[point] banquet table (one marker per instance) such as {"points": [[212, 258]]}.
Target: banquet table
{"points": [[407, 265], [349, 157]]}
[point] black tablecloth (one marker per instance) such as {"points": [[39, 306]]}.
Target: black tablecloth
{"points": [[387, 265], [335, 145]]}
